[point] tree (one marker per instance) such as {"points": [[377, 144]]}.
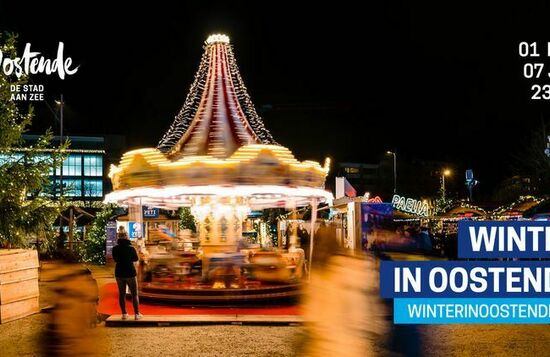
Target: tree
{"points": [[94, 245], [25, 204], [187, 221]]}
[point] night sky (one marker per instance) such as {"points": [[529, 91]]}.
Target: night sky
{"points": [[433, 81]]}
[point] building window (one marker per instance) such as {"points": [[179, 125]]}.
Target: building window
{"points": [[38, 158], [93, 188], [72, 166], [71, 187], [93, 165], [9, 158], [4, 159], [45, 158]]}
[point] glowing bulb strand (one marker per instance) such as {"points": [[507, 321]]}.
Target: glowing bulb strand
{"points": [[192, 104], [184, 118]]}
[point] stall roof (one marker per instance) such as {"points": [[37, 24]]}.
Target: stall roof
{"points": [[464, 210], [543, 207], [518, 207]]}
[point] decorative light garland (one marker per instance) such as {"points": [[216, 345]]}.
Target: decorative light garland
{"points": [[215, 45], [179, 196], [520, 200], [76, 151]]}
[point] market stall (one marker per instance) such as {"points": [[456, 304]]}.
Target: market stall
{"points": [[160, 227], [445, 225], [517, 209]]}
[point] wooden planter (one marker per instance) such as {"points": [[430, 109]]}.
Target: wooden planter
{"points": [[18, 283]]}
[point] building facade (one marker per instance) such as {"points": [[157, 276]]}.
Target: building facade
{"points": [[83, 176], [363, 177], [415, 178]]}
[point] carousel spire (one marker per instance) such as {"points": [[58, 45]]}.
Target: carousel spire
{"points": [[218, 116]]}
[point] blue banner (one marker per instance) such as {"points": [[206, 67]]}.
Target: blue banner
{"points": [[471, 311], [464, 279], [503, 239]]}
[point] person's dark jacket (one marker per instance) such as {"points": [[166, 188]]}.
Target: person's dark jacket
{"points": [[124, 255]]}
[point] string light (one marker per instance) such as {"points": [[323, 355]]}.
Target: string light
{"points": [[240, 113], [187, 195], [150, 167], [515, 205]]}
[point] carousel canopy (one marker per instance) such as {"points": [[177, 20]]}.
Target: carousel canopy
{"points": [[217, 146], [218, 115]]}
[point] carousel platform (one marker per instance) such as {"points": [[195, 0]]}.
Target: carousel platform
{"points": [[156, 314], [173, 293], [217, 319]]}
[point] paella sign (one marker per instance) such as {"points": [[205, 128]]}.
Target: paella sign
{"points": [[410, 205]]}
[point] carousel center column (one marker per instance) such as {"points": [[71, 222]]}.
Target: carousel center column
{"points": [[219, 221]]}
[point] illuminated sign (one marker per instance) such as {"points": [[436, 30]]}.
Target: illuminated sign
{"points": [[150, 212], [410, 205], [376, 199]]}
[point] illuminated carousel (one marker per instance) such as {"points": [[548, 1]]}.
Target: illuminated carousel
{"points": [[218, 159]]}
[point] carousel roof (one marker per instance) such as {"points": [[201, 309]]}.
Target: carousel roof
{"points": [[217, 146], [218, 115]]}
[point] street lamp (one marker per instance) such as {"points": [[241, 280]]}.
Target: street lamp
{"points": [[394, 170], [61, 104], [445, 172]]}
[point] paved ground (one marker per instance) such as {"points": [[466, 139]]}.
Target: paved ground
{"points": [[25, 337], [381, 337], [207, 341]]}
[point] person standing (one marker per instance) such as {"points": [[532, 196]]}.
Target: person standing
{"points": [[125, 272]]}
